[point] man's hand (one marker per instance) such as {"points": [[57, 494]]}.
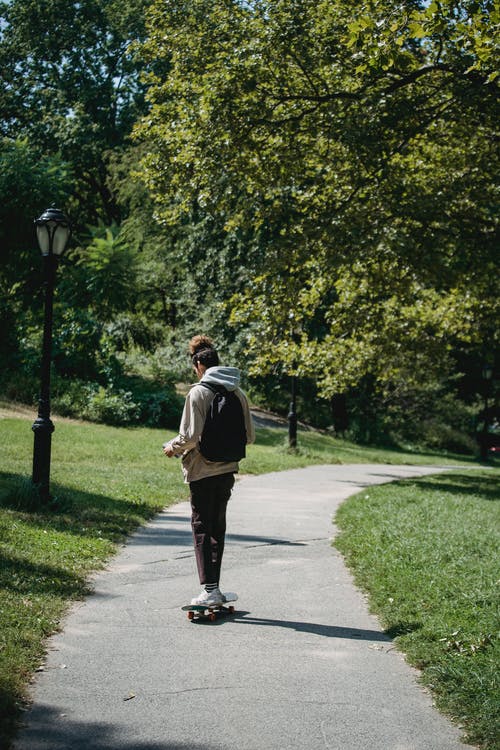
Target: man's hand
{"points": [[168, 450]]}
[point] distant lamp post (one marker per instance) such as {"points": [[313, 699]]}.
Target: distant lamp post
{"points": [[487, 376], [292, 415], [53, 231]]}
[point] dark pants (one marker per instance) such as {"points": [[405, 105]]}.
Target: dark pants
{"points": [[209, 498]]}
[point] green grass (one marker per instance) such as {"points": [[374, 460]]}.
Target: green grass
{"points": [[270, 453], [105, 481], [426, 551]]}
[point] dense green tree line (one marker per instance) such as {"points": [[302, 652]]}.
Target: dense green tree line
{"points": [[71, 86], [363, 149], [314, 185]]}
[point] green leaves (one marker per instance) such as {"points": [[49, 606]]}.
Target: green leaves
{"points": [[356, 150], [109, 271], [71, 85]]}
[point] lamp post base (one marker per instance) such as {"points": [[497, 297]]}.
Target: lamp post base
{"points": [[43, 428], [292, 427]]}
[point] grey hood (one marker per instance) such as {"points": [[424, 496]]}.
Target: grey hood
{"points": [[229, 377]]}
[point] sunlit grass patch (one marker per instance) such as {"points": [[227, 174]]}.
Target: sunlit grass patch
{"points": [[426, 551]]}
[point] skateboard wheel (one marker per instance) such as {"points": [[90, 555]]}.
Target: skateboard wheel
{"points": [[212, 617], [231, 610], [190, 615]]}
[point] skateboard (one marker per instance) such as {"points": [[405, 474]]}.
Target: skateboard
{"points": [[195, 611]]}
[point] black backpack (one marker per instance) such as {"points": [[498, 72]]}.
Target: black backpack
{"points": [[224, 435]]}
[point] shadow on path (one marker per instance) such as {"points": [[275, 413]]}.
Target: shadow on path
{"points": [[51, 731], [327, 631], [176, 531]]}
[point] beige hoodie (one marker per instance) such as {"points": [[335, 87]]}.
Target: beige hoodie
{"points": [[194, 465]]}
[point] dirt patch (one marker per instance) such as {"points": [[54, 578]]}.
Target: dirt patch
{"points": [[11, 409], [263, 418]]}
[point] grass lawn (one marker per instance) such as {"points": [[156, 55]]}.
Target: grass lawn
{"points": [[106, 482], [270, 453], [426, 551]]}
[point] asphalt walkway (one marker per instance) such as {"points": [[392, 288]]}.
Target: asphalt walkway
{"points": [[302, 664]]}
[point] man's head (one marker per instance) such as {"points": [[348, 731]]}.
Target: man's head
{"points": [[203, 353]]}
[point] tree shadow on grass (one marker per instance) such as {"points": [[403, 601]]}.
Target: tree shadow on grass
{"points": [[460, 484], [8, 716], [74, 511], [30, 579]]}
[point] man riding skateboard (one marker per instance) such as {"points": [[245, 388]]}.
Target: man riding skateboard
{"points": [[213, 423]]}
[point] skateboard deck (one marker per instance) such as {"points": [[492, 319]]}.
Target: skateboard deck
{"points": [[210, 611]]}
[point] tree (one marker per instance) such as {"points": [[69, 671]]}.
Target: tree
{"points": [[359, 147], [185, 272], [70, 95], [29, 182], [71, 86]]}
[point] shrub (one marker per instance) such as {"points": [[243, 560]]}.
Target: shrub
{"points": [[444, 423], [77, 347], [438, 435], [129, 332], [160, 408], [132, 401], [21, 387], [111, 407]]}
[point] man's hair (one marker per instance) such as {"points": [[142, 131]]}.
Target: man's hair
{"points": [[200, 342], [202, 350]]}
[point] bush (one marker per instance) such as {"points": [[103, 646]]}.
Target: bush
{"points": [[160, 408], [128, 332], [70, 396], [21, 387], [132, 401], [166, 365], [135, 402], [439, 436], [443, 423], [77, 347], [111, 407]]}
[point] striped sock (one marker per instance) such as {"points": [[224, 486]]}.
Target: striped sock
{"points": [[209, 587]]}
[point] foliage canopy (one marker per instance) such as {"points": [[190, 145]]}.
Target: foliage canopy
{"points": [[360, 149]]}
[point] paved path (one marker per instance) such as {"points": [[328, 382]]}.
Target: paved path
{"points": [[290, 670]]}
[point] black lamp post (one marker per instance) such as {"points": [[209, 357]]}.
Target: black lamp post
{"points": [[53, 232], [487, 375], [292, 415]]}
